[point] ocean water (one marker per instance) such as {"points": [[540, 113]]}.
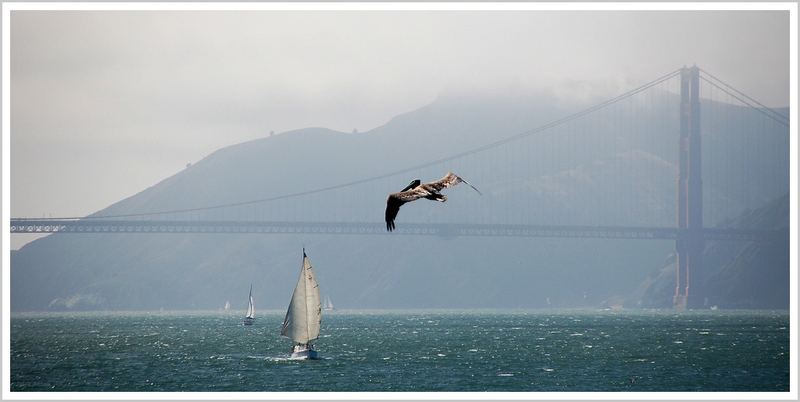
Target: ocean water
{"points": [[387, 351]]}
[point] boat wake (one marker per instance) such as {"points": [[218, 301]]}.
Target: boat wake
{"points": [[283, 358], [270, 358]]}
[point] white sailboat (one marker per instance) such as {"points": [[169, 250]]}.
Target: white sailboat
{"points": [[328, 304], [304, 315], [251, 309]]}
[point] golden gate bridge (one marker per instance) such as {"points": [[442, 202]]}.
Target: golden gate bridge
{"points": [[666, 133]]}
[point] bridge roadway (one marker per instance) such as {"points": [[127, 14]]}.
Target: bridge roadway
{"points": [[375, 228]]}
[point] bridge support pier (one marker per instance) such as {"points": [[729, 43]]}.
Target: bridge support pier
{"points": [[690, 243]]}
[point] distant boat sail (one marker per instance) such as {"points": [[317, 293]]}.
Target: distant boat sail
{"points": [[227, 305], [328, 304], [251, 310], [304, 315]]}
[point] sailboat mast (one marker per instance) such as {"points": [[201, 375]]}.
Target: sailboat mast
{"points": [[304, 273]]}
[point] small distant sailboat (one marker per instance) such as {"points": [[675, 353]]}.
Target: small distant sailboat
{"points": [[328, 304], [304, 315], [227, 305], [251, 310]]}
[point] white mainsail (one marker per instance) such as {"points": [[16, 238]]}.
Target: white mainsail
{"points": [[304, 315], [251, 310]]}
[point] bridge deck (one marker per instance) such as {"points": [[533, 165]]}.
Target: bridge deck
{"points": [[374, 228]]}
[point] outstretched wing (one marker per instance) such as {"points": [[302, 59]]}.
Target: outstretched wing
{"points": [[395, 200], [392, 208], [449, 180]]}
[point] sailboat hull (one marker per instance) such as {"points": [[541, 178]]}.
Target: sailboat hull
{"points": [[248, 321], [304, 352], [305, 355]]}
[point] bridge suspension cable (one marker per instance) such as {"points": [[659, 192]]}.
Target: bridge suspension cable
{"points": [[515, 137], [738, 95]]}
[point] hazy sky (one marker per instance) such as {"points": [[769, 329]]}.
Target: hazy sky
{"points": [[105, 104]]}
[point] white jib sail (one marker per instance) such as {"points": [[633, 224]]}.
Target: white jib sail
{"points": [[251, 309], [304, 315]]}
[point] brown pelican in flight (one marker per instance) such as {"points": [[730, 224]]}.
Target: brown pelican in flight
{"points": [[415, 191]]}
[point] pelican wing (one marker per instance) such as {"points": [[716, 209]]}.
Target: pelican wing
{"points": [[449, 180], [395, 200]]}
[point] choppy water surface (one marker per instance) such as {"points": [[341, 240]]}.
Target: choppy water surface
{"points": [[405, 351]]}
